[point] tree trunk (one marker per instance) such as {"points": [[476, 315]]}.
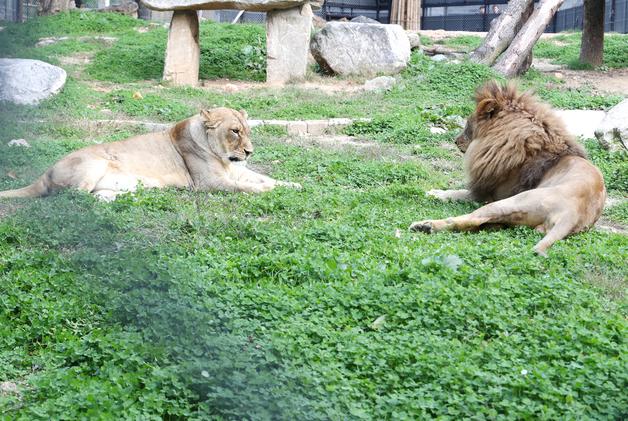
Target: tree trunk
{"points": [[50, 7], [503, 30], [512, 62], [592, 48]]}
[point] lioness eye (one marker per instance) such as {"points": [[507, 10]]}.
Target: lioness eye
{"points": [[236, 131]]}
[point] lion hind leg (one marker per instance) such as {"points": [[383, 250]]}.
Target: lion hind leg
{"points": [[561, 229]]}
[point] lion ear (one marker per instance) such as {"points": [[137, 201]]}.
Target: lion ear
{"points": [[244, 114], [487, 108], [211, 120]]}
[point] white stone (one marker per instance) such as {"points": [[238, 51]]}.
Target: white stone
{"points": [[28, 82], [382, 83], [255, 123], [183, 51], [297, 128], [437, 130], [439, 57], [581, 122], [250, 5], [19, 142], [361, 48], [287, 44], [317, 127], [612, 131]]}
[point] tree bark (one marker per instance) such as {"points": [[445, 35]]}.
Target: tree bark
{"points": [[512, 62], [50, 7], [592, 47], [503, 30]]}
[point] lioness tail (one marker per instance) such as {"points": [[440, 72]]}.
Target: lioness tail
{"points": [[37, 189]]}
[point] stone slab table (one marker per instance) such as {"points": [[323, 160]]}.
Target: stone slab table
{"points": [[288, 24]]}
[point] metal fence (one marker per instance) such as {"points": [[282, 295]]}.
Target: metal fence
{"points": [[451, 15], [476, 15]]}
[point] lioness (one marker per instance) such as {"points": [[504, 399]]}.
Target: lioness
{"points": [[519, 156], [199, 153]]}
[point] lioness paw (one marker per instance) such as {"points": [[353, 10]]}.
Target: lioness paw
{"points": [[289, 184], [423, 226]]}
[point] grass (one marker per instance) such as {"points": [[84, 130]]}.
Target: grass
{"points": [[313, 304], [565, 49]]}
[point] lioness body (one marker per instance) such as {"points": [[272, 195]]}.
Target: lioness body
{"points": [[519, 157], [196, 153]]}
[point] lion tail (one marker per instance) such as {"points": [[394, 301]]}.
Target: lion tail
{"points": [[37, 189]]}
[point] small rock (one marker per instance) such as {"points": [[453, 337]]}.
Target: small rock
{"points": [[559, 76], [437, 130], [106, 111], [1, 28], [612, 131], [382, 83], [415, 40], [8, 388], [19, 142], [457, 120], [364, 19], [439, 57]]}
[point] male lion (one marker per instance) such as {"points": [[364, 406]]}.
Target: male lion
{"points": [[198, 153], [519, 156]]}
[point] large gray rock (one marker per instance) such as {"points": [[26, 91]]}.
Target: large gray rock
{"points": [[382, 83], [28, 82], [361, 48], [581, 122], [612, 132], [364, 19], [251, 5]]}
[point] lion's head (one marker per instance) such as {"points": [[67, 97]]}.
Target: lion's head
{"points": [[228, 133], [511, 139]]}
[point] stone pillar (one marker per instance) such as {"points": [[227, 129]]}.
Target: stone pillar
{"points": [[287, 43], [183, 52]]}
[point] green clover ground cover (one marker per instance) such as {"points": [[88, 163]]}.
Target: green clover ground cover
{"points": [[312, 304]]}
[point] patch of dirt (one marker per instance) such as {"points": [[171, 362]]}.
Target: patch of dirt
{"points": [[614, 287], [331, 86], [607, 225], [77, 59], [614, 81]]}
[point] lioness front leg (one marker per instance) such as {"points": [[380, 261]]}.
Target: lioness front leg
{"points": [[445, 195], [249, 176]]}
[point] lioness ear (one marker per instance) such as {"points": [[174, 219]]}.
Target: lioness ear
{"points": [[487, 108], [244, 114], [211, 120]]}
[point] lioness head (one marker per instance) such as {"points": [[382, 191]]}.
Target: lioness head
{"points": [[229, 132]]}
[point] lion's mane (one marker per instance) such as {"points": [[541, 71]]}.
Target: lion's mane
{"points": [[516, 140]]}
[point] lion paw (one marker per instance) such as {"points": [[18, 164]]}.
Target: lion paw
{"points": [[423, 226], [439, 194]]}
